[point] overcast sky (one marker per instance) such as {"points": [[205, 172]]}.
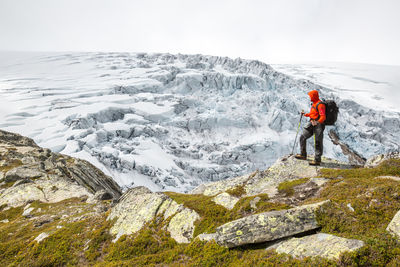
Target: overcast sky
{"points": [[273, 31]]}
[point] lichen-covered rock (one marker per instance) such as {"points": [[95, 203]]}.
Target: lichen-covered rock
{"points": [[44, 190], [181, 226], [321, 245], [268, 226], [134, 209], [139, 206], [39, 174], [394, 225], [226, 200]]}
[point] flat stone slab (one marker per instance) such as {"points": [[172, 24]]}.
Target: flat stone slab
{"points": [[322, 245], [268, 226]]}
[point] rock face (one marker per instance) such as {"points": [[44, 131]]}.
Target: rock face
{"points": [[322, 245], [139, 206], [266, 182], [268, 226], [29, 172]]}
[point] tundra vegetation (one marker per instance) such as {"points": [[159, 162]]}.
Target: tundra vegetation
{"points": [[361, 207]]}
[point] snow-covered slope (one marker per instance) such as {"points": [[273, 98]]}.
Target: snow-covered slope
{"points": [[171, 122], [375, 86]]}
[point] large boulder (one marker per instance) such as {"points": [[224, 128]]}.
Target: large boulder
{"points": [[268, 226], [321, 245], [139, 206]]}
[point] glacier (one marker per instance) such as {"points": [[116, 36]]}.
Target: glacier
{"points": [[172, 122]]}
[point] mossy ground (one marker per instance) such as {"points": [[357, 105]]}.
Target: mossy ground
{"points": [[286, 187], [87, 241], [375, 202]]}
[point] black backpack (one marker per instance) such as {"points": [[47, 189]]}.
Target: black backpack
{"points": [[331, 111]]}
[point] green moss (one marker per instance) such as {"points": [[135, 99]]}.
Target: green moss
{"points": [[10, 214], [237, 191], [63, 247], [286, 187], [88, 242], [99, 240]]}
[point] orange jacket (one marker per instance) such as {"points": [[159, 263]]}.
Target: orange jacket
{"points": [[314, 113]]}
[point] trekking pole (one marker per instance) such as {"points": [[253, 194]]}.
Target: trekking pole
{"points": [[298, 128]]}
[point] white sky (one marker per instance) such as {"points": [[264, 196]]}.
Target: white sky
{"points": [[273, 31]]}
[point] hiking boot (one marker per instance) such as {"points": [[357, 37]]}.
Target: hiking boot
{"points": [[299, 156], [314, 163]]}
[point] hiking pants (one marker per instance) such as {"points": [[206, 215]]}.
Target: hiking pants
{"points": [[308, 131]]}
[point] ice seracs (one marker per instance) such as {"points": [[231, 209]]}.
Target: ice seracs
{"points": [[172, 122]]}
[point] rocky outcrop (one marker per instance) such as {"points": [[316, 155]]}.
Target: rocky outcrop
{"points": [[266, 182], [268, 226], [139, 206], [29, 172], [321, 245]]}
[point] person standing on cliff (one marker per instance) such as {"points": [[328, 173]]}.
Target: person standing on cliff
{"points": [[315, 127]]}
